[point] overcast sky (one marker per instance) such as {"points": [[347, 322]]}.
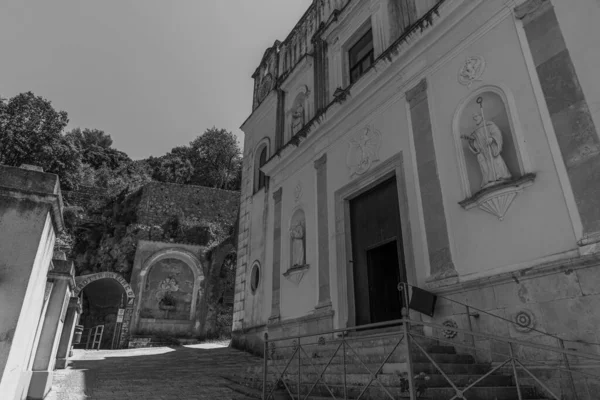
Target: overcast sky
{"points": [[154, 74]]}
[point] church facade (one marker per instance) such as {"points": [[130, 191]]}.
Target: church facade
{"points": [[449, 144]]}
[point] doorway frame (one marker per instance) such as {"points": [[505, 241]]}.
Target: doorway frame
{"points": [[393, 166]]}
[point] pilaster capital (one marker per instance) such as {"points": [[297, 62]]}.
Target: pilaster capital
{"points": [[321, 162], [277, 195], [417, 93], [531, 9]]}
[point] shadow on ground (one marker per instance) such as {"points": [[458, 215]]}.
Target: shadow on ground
{"points": [[186, 372]]}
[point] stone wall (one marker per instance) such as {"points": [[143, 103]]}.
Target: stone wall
{"points": [[195, 203], [541, 305]]}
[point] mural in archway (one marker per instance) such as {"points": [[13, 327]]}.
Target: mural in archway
{"points": [[168, 291], [82, 281]]}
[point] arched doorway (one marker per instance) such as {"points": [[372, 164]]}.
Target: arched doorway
{"points": [[107, 299]]}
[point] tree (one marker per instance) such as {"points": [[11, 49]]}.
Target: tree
{"points": [[174, 169], [216, 158], [96, 149], [31, 133]]}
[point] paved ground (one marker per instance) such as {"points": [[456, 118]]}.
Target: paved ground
{"points": [[162, 373]]}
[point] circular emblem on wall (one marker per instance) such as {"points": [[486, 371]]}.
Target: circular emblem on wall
{"points": [[471, 70], [448, 333], [524, 320]]}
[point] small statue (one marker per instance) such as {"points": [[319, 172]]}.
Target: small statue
{"points": [[297, 235], [297, 118], [486, 143]]}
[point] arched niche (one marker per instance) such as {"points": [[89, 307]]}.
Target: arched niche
{"points": [[261, 155], [298, 113], [297, 266], [171, 274], [498, 106]]}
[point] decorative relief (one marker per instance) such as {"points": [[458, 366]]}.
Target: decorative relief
{"points": [[321, 341], [363, 151], [525, 321], [296, 274], [448, 333], [471, 70]]}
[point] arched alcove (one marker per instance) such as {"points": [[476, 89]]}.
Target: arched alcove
{"points": [[170, 293], [499, 123], [103, 294]]}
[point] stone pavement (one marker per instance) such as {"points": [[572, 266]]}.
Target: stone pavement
{"points": [[162, 373]]}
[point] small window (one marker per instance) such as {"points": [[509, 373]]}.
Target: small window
{"points": [[361, 56], [254, 277]]}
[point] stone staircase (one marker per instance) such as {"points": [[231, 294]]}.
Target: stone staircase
{"points": [[462, 369]]}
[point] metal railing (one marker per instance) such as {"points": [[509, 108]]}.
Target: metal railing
{"points": [[410, 339]]}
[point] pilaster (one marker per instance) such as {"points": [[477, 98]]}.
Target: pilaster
{"points": [[66, 337], [436, 230], [323, 233], [576, 133], [275, 311]]}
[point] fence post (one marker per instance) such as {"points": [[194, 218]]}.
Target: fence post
{"points": [[514, 368], [471, 329], [299, 362], [265, 365], [568, 367]]}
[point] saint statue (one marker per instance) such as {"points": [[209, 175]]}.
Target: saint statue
{"points": [[297, 118], [297, 235], [486, 143]]}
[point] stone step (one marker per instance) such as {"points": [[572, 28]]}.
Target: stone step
{"points": [[394, 380], [375, 392], [395, 357], [388, 368]]}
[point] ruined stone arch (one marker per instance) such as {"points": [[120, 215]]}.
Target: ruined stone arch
{"points": [[190, 259], [82, 281]]}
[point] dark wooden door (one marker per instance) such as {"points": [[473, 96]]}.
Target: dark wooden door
{"points": [[384, 274], [375, 228]]}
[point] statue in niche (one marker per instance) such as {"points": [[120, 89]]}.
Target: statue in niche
{"points": [[297, 118], [485, 142], [297, 235]]}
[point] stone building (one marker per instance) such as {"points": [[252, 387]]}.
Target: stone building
{"points": [[156, 276], [38, 312], [452, 145]]}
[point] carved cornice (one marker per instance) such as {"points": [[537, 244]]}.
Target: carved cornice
{"points": [[418, 93], [321, 162], [532, 9], [277, 195]]}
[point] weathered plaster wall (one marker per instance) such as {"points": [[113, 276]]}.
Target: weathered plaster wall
{"points": [[480, 240], [255, 212], [26, 250], [30, 214]]}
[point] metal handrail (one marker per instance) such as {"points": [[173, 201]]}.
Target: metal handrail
{"points": [[405, 335]]}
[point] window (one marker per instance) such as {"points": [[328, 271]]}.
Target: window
{"points": [[254, 277], [361, 56], [261, 161]]}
